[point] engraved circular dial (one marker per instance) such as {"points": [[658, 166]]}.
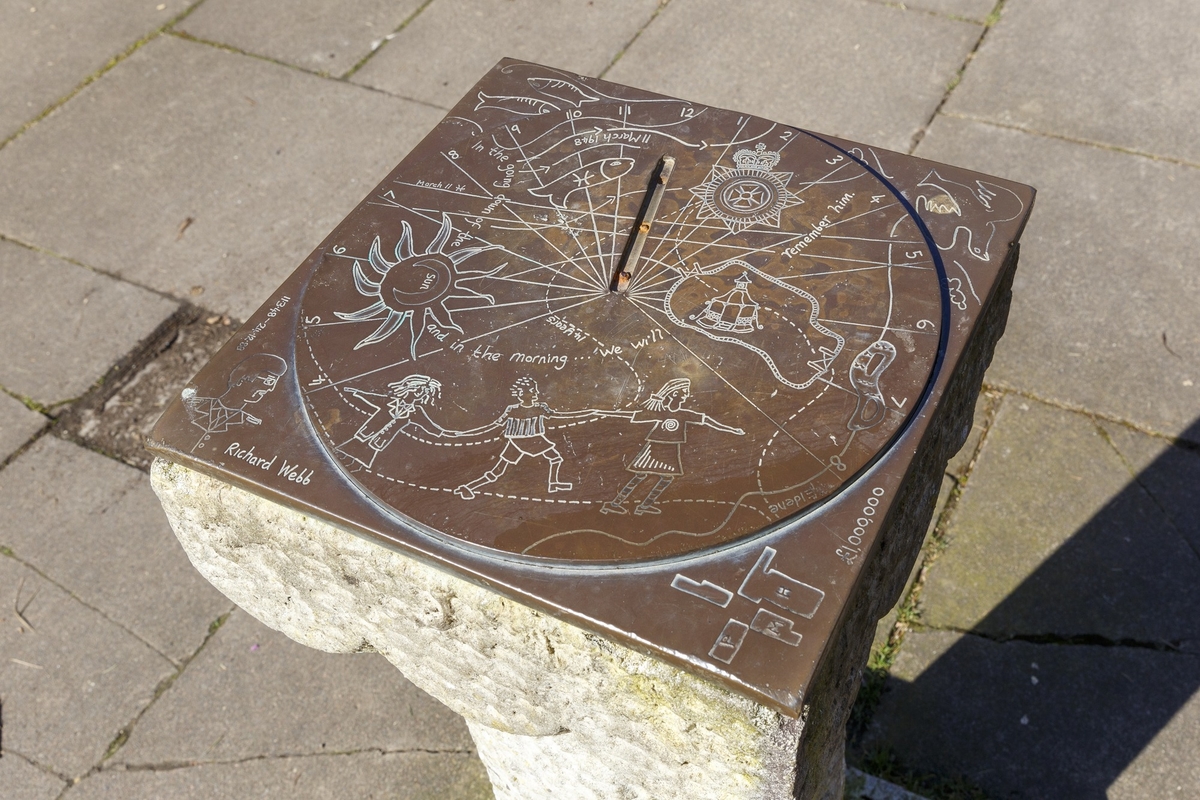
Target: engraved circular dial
{"points": [[465, 360]]}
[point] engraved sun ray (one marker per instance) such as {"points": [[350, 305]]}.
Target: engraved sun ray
{"points": [[415, 286]]}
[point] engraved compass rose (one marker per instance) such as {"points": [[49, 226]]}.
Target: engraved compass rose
{"points": [[749, 194]]}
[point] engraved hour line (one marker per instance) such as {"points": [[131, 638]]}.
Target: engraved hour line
{"points": [[554, 247], [553, 312], [713, 370], [446, 191], [525, 158], [876, 327], [469, 175], [596, 230]]}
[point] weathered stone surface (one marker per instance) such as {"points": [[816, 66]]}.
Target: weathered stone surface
{"points": [[17, 424], [93, 526], [1026, 720], [252, 692], [221, 194], [1092, 71], [442, 53], [23, 781], [513, 671], [402, 776], [1107, 273], [72, 682], [809, 57], [969, 9], [327, 37], [63, 325], [50, 48], [1052, 537], [119, 423]]}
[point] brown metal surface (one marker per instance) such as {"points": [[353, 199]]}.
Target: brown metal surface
{"points": [[462, 370]]}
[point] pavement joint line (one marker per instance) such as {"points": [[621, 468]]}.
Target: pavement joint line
{"points": [[90, 79], [1181, 443], [1063, 640], [383, 43], [166, 683], [1116, 148], [929, 11], [1136, 477], [170, 766], [5, 550], [35, 763], [662, 4], [14, 455], [992, 19], [29, 402], [5, 237]]}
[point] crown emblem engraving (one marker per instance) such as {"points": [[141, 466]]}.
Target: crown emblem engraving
{"points": [[760, 158]]}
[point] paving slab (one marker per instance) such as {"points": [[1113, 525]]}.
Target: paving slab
{"points": [[1106, 273], [48, 48], [447, 48], [72, 682], [869, 72], [326, 37], [1028, 720], [63, 325], [202, 173], [119, 424], [252, 692], [23, 781], [976, 10], [1091, 69], [17, 423], [985, 409], [1052, 536], [95, 527], [402, 776]]}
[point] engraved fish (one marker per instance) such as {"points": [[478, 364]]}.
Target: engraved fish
{"points": [[528, 106], [590, 175], [562, 90]]}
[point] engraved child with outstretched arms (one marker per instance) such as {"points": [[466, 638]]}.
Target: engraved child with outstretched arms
{"points": [[406, 399]]}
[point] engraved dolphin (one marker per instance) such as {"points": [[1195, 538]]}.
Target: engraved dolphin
{"points": [[527, 106], [562, 90], [590, 175]]}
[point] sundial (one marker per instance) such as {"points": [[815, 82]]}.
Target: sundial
{"points": [[655, 367]]}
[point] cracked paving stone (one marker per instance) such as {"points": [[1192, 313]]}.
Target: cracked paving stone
{"points": [[1052, 536], [17, 424], [120, 423], [49, 48], [64, 325], [800, 62], [95, 527], [23, 781], [1106, 273], [447, 48], [398, 776], [319, 35], [202, 173], [254, 692], [1099, 71], [1044, 720], [72, 682]]}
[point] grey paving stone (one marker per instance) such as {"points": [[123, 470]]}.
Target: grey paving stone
{"points": [[1036, 721], [883, 629], [262, 159], [63, 326], [866, 71], [49, 48], [968, 9], [445, 50], [72, 682], [1053, 537], [17, 424], [95, 527], [403, 776], [23, 781], [253, 692], [1107, 269], [327, 37], [1099, 70]]}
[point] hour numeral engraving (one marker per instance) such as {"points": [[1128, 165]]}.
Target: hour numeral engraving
{"points": [[730, 641], [775, 626], [709, 592], [764, 583]]}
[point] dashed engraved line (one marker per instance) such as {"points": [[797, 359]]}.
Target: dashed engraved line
{"points": [[762, 456], [328, 381]]}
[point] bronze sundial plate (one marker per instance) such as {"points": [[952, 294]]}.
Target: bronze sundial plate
{"points": [[687, 438]]}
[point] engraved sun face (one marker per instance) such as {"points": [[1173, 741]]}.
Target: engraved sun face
{"points": [[415, 286]]}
